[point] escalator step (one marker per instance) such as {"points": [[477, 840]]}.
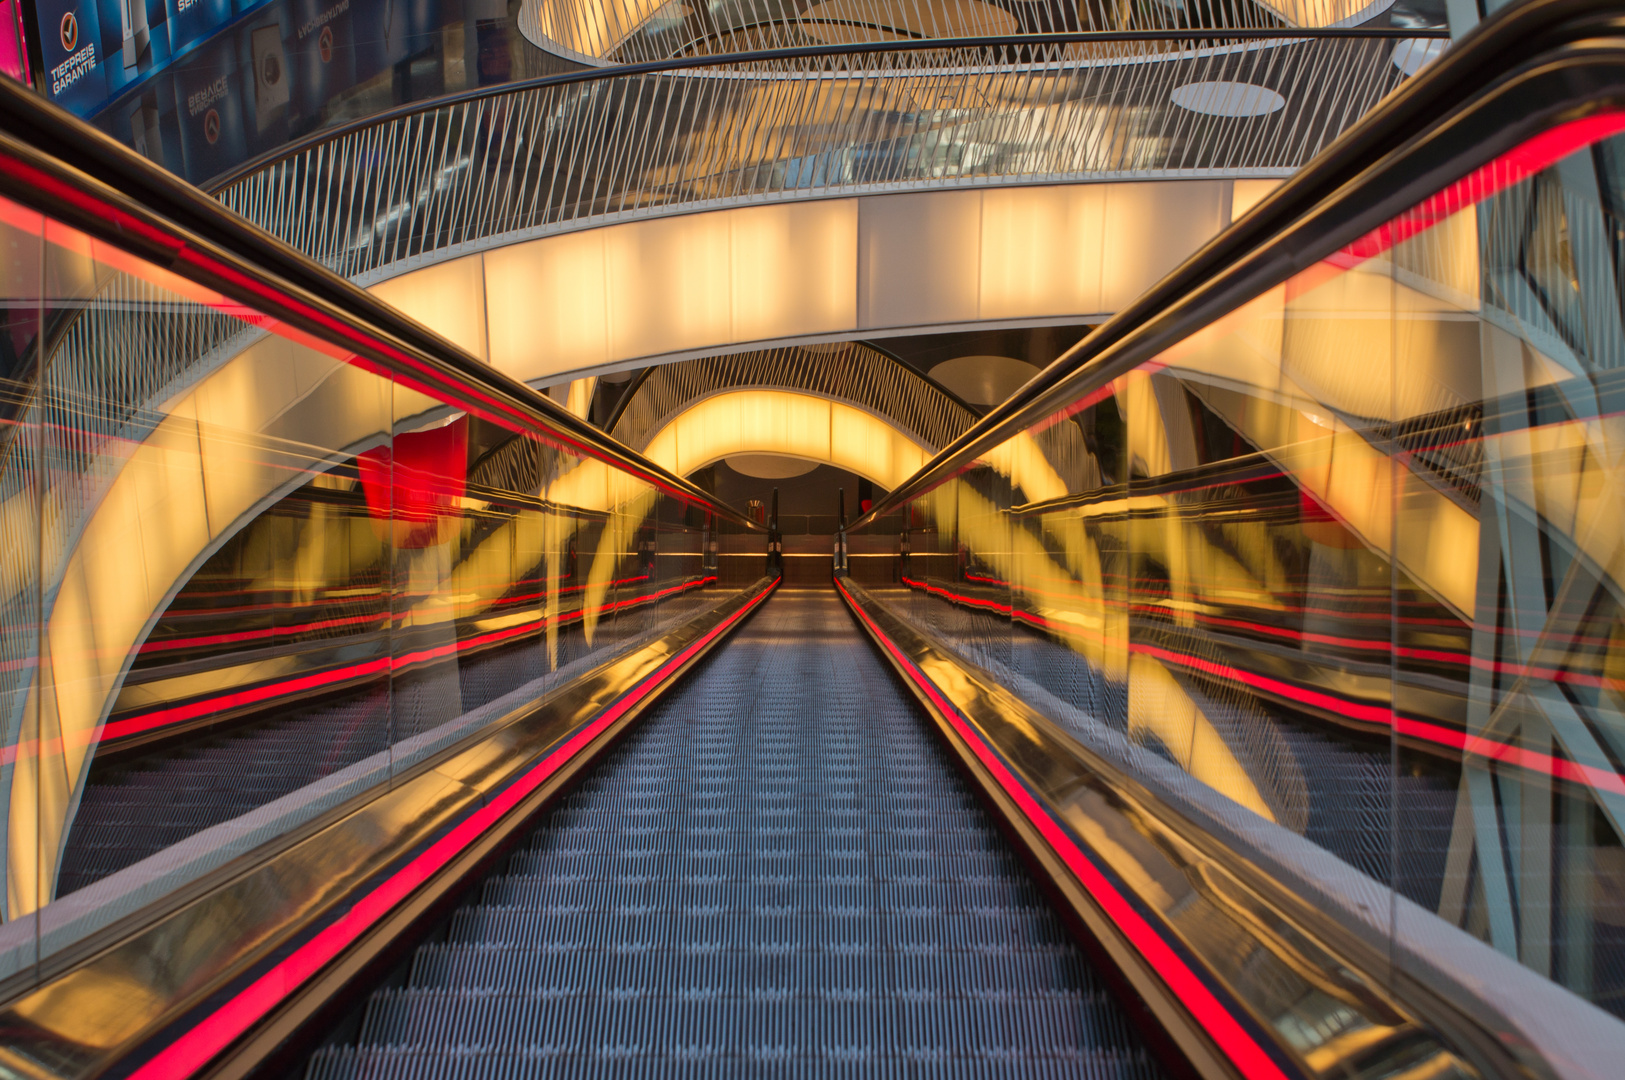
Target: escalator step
{"points": [[777, 873]]}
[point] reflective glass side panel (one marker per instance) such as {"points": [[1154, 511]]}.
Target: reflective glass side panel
{"points": [[213, 655], [251, 578], [24, 308], [1509, 654], [1339, 574]]}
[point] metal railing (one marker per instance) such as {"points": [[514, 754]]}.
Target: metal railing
{"points": [[611, 145], [851, 372], [633, 31]]}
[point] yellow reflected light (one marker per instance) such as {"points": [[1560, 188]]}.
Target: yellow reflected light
{"points": [[786, 422]]}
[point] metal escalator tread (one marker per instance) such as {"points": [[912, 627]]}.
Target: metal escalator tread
{"points": [[778, 872]]}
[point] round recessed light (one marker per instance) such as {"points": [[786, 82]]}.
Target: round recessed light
{"points": [[1413, 54], [1228, 99], [983, 380], [770, 466]]}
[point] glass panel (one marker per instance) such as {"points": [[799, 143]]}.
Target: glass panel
{"points": [[214, 631], [1341, 573], [1508, 691], [23, 314], [249, 579]]}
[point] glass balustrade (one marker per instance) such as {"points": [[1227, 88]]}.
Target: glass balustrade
{"points": [[251, 575], [1350, 557]]}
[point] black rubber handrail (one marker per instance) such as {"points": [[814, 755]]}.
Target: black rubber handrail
{"points": [[158, 214], [802, 52], [1563, 58]]}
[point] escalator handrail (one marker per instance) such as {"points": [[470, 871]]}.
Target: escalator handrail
{"points": [[321, 136], [60, 164], [1404, 150]]}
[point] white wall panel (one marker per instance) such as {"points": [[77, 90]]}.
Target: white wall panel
{"points": [[918, 255], [748, 276], [1152, 228], [449, 296]]}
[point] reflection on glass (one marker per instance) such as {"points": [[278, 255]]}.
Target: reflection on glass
{"points": [[248, 579], [1351, 558]]}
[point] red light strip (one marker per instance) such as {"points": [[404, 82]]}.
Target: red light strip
{"points": [[1516, 165], [1376, 715], [194, 1049], [1232, 1038], [178, 714]]}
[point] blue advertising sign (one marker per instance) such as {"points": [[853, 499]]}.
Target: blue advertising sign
{"points": [[194, 20], [116, 44], [70, 37], [323, 48], [209, 99], [135, 40], [202, 85]]}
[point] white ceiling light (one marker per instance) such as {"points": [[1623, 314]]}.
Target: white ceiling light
{"points": [[983, 380], [770, 466], [1413, 54], [1228, 99]]}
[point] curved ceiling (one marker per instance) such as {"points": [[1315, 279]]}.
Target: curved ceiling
{"points": [[983, 380], [770, 466]]}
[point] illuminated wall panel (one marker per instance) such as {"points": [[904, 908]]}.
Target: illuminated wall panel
{"points": [[1152, 228], [449, 296], [1246, 194], [550, 302], [875, 265], [794, 269], [669, 284], [1041, 250]]}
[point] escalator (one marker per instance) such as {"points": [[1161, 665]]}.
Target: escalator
{"points": [[1240, 699], [779, 870]]}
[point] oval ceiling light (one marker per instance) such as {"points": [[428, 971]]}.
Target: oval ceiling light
{"points": [[1413, 54], [770, 466], [1228, 99], [983, 380]]}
